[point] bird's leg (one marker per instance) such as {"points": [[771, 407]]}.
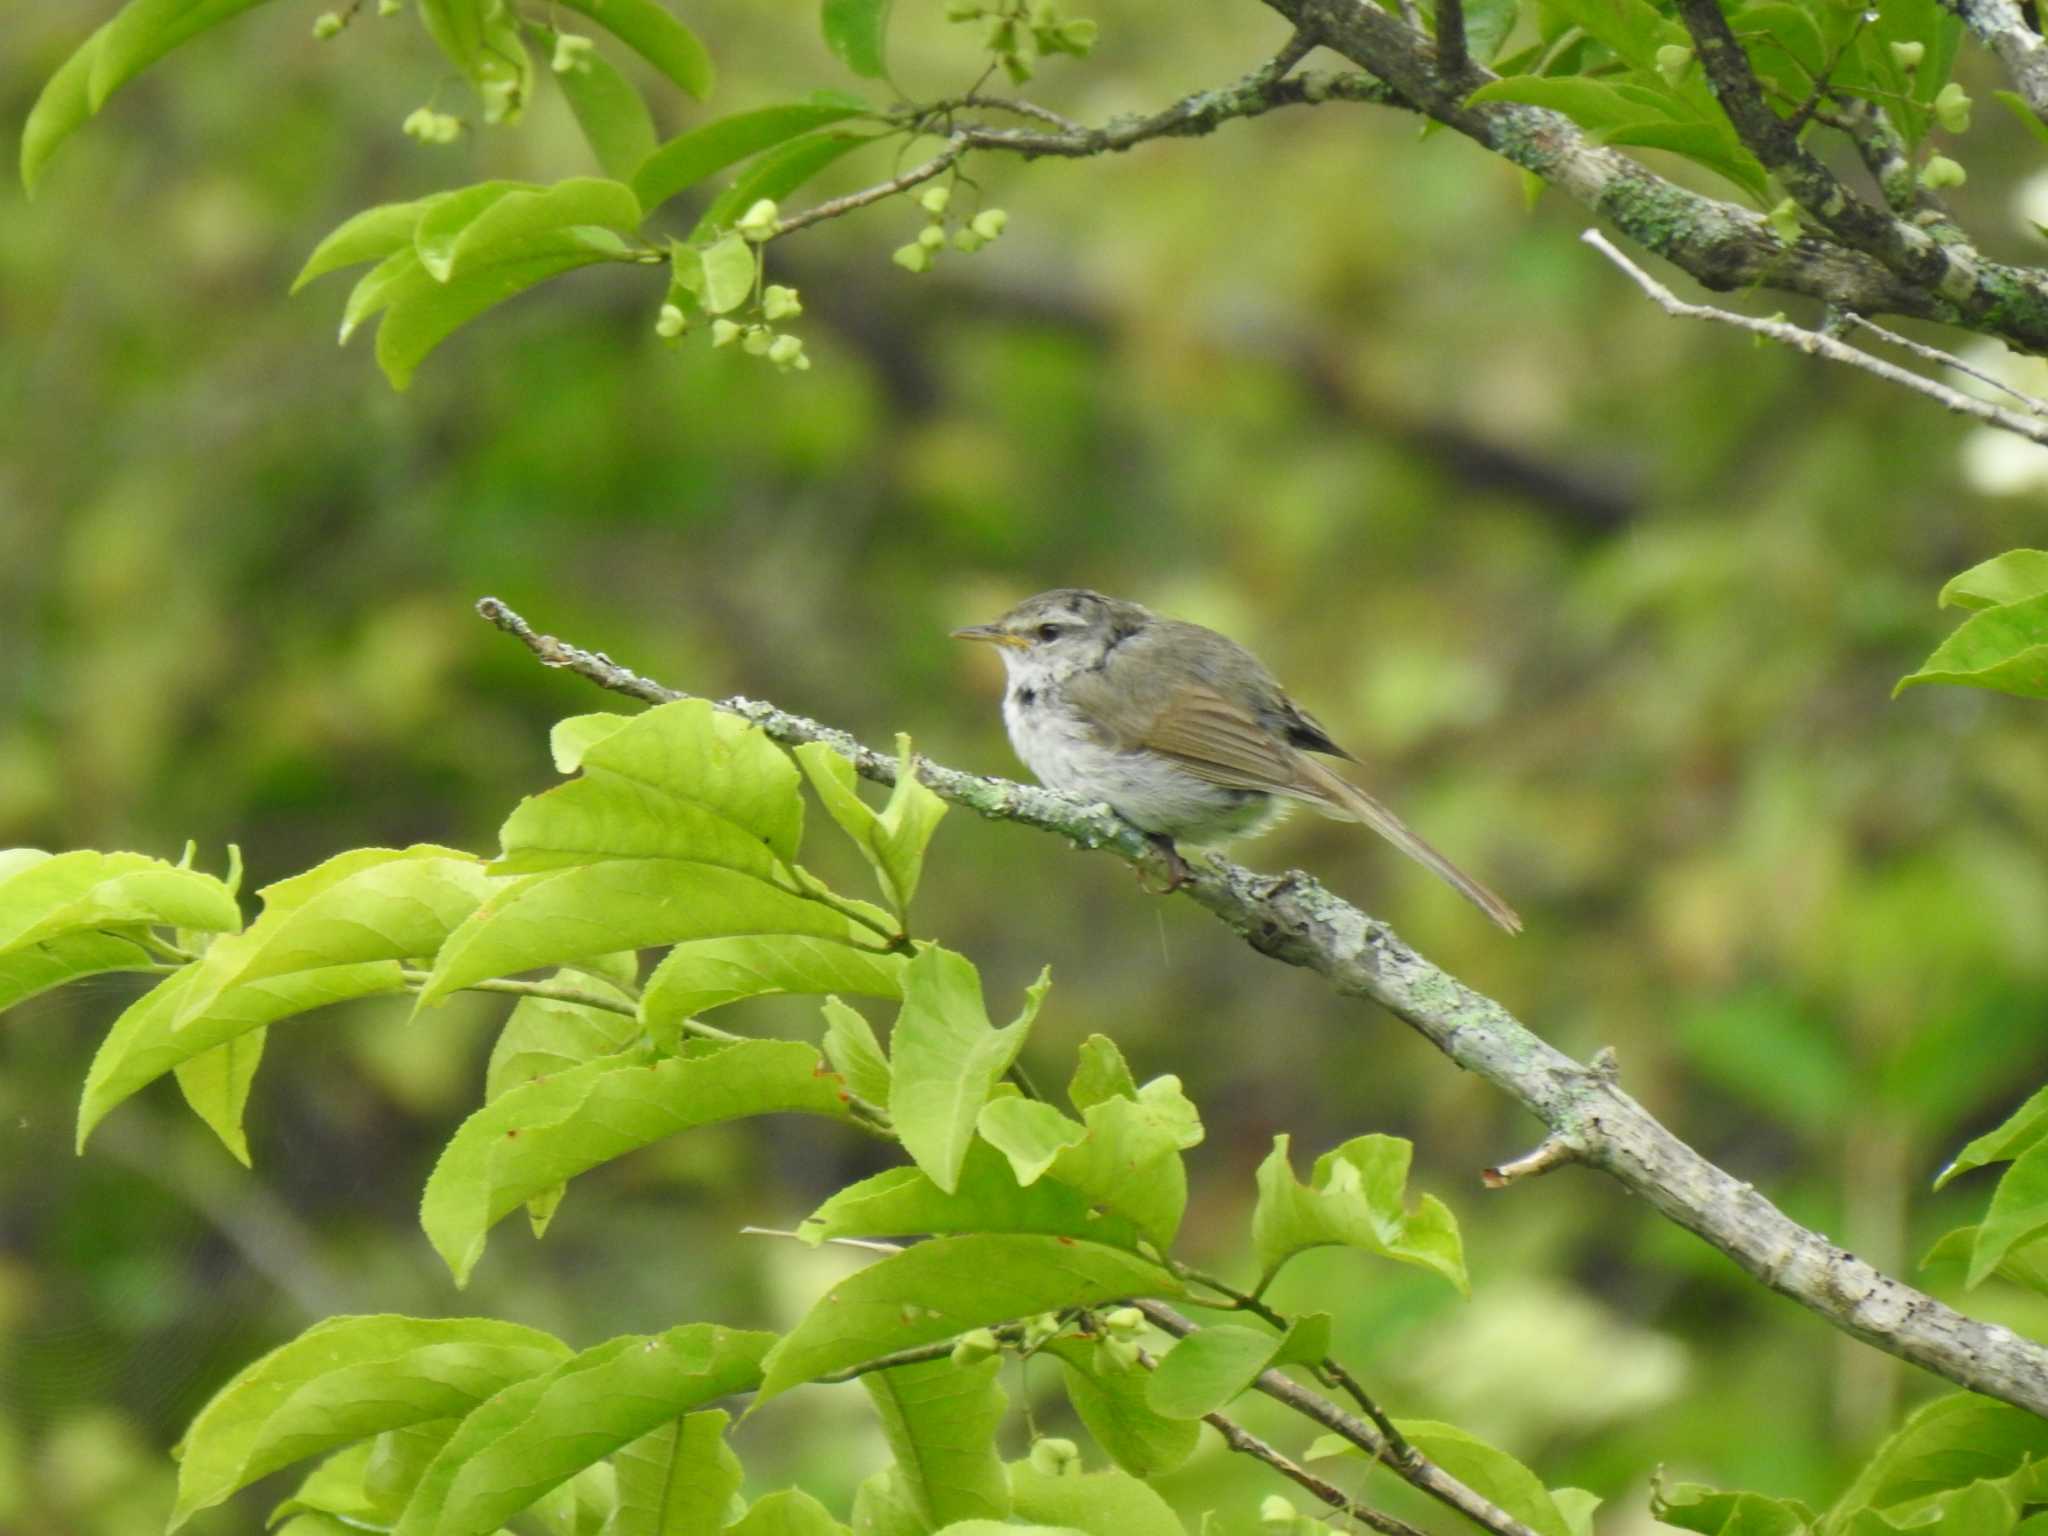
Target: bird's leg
{"points": [[1176, 866]]}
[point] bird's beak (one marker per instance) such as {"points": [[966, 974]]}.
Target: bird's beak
{"points": [[991, 634]]}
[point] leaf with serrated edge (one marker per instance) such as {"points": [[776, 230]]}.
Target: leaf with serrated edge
{"points": [[566, 915], [543, 1431], [2012, 577], [546, 1132], [940, 1420], [216, 1085], [676, 1480], [344, 1380], [1112, 1404], [947, 1058], [1354, 1198], [948, 1285], [149, 1039], [904, 1201], [2003, 648]]}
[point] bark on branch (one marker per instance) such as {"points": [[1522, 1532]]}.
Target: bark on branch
{"points": [[1294, 919]]}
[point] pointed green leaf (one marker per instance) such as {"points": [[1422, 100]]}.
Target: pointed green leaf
{"points": [[45, 897], [2022, 1264], [677, 1480], [2012, 577], [561, 916], [1354, 1198], [1946, 1444], [791, 1512], [2018, 1213], [60, 110], [947, 1286], [775, 175], [612, 114], [52, 962], [342, 1381], [686, 160], [1492, 1473], [546, 1132], [216, 1083], [399, 1458], [857, 30], [940, 1420], [546, 1035], [335, 1487], [371, 235], [1128, 1159], [377, 289], [1101, 1074], [1107, 1503], [947, 1059], [702, 974], [1208, 1369], [569, 739], [730, 268], [481, 38], [369, 904], [153, 1035], [537, 1434], [1113, 1405], [652, 31], [2022, 1130], [856, 1055], [894, 838], [881, 1507], [2003, 648], [143, 32], [1028, 1133], [2012, 101], [506, 225], [904, 1201], [1487, 25]]}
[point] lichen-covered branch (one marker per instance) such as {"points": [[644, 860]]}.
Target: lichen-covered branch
{"points": [[1292, 918], [2002, 27]]}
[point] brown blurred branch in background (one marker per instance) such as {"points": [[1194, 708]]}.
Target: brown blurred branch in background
{"points": [[1293, 918]]}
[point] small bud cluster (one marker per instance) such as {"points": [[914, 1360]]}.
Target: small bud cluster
{"points": [[502, 100], [572, 54], [431, 127], [390, 7], [758, 223], [1673, 60], [1054, 1457], [969, 237], [328, 24], [1019, 31]]}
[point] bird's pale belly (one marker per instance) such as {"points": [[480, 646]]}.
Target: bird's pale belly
{"points": [[1153, 791]]}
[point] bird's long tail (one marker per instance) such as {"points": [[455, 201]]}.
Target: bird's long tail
{"points": [[1347, 802]]}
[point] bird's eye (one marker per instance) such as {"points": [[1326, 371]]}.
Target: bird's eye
{"points": [[1049, 631]]}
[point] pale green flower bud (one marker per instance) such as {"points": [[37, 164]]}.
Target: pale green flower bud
{"points": [[669, 324], [501, 100], [1123, 1320], [934, 199], [724, 332], [989, 223], [758, 222], [785, 350], [1117, 1355], [757, 341], [1055, 1458], [931, 237], [780, 303], [1277, 1509], [1940, 172], [328, 24], [976, 1346], [1952, 108], [1908, 55], [1673, 60], [967, 240], [962, 10], [390, 7], [912, 257], [572, 52]]}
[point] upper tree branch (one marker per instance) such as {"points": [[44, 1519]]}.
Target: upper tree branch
{"points": [[1294, 919], [2002, 27]]}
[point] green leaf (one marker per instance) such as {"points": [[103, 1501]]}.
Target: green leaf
{"points": [[2003, 648], [1128, 1161], [1948, 1443], [730, 268], [2025, 1128], [481, 38], [2012, 577], [454, 240], [856, 1055], [1101, 1074], [903, 1201], [1487, 25], [544, 1133], [216, 1086], [335, 1487], [881, 1507], [947, 1286], [1354, 1198], [371, 235], [547, 1035], [155, 1035], [892, 839], [569, 739], [2012, 101], [687, 159], [1107, 1503], [947, 1059], [940, 1420], [342, 1381], [2018, 1213], [1775, 32], [1114, 1406], [791, 1512], [368, 904], [536, 1435], [44, 897], [857, 30], [1028, 1133], [652, 31], [702, 974], [51, 963], [139, 35], [1591, 104], [1711, 144], [612, 114], [677, 1480], [776, 174], [1208, 1369], [2022, 1264], [1696, 1507], [565, 915], [1634, 29], [1489, 1472]]}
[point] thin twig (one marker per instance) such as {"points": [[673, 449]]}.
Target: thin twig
{"points": [[2034, 406], [1292, 918], [1815, 344], [837, 207], [1551, 1152]]}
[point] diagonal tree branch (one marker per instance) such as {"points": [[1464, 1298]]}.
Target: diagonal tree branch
{"points": [[1294, 919], [2002, 27]]}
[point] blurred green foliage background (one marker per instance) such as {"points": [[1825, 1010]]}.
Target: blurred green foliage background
{"points": [[1610, 605]]}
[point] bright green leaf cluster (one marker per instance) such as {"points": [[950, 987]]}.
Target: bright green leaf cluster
{"points": [[2003, 645], [1018, 32]]}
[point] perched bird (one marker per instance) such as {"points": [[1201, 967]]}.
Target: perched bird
{"points": [[1179, 729]]}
